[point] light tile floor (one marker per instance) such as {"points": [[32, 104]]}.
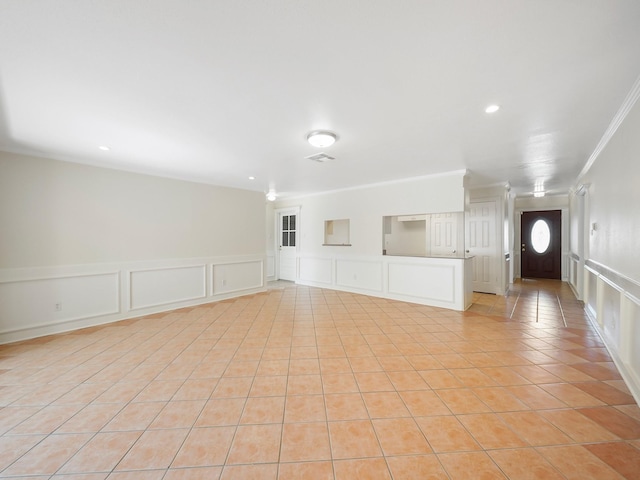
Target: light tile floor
{"points": [[305, 383]]}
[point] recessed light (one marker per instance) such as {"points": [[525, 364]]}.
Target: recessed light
{"points": [[104, 148], [252, 178], [492, 108], [321, 138], [271, 196]]}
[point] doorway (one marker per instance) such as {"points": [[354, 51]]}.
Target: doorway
{"points": [[287, 243], [541, 244]]}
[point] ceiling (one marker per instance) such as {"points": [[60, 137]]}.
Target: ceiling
{"points": [[217, 91]]}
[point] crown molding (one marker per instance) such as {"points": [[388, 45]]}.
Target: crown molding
{"points": [[617, 120], [461, 173]]}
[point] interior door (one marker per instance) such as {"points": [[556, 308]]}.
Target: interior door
{"points": [[288, 239], [482, 244], [541, 244]]}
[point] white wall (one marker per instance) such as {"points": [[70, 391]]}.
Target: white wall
{"points": [[82, 245], [62, 213], [270, 219], [614, 200], [549, 202], [611, 287]]}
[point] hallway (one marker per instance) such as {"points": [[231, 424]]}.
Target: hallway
{"points": [[307, 383]]}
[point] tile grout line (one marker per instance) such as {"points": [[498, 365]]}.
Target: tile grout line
{"points": [[193, 426], [564, 320], [326, 413], [515, 304]]}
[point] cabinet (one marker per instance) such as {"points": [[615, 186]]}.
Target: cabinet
{"points": [[424, 235]]}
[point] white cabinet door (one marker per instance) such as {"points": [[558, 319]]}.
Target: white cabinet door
{"points": [[444, 235]]}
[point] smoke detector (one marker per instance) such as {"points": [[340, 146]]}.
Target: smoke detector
{"points": [[320, 157]]}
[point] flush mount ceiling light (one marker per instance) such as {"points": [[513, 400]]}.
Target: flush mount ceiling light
{"points": [[104, 148], [321, 138], [492, 109]]}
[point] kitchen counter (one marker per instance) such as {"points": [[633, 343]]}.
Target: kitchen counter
{"points": [[436, 281]]}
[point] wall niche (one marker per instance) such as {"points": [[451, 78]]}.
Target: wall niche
{"points": [[336, 233]]}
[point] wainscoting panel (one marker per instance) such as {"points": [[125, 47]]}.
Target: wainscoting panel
{"points": [[235, 277], [565, 260], [161, 286], [613, 305], [574, 264], [630, 352], [591, 292], [432, 282], [271, 266], [47, 302], [609, 310], [366, 275], [439, 282], [38, 301], [316, 270]]}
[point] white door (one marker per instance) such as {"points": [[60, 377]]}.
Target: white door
{"points": [[444, 234], [482, 244], [288, 238]]}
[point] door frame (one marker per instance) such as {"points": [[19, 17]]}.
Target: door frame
{"points": [[564, 238], [278, 212], [579, 240]]}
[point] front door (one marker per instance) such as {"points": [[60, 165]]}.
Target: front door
{"points": [[541, 244], [288, 239]]}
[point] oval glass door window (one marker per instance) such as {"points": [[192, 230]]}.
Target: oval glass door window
{"points": [[540, 236]]}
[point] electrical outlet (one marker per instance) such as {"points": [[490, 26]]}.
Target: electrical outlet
{"points": [[57, 307]]}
